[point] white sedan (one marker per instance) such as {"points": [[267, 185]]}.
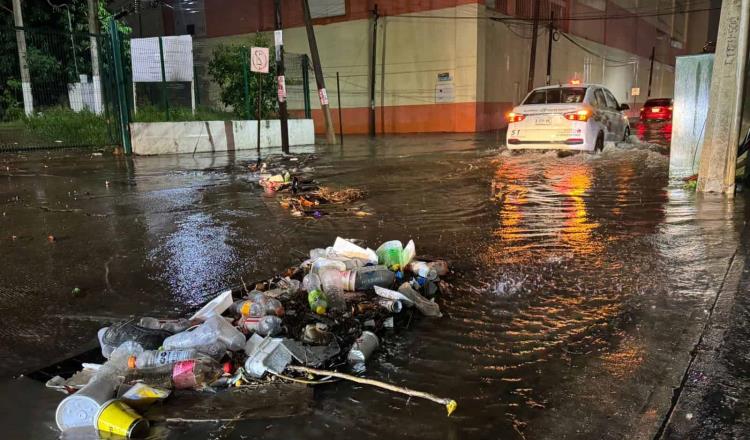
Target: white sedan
{"points": [[567, 117]]}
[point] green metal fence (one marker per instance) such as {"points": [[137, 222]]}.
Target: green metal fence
{"points": [[83, 90], [67, 100]]}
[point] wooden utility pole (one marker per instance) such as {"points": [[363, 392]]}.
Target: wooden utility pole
{"points": [[93, 17], [651, 70], [549, 47], [28, 98], [319, 79], [532, 58], [280, 80], [372, 69]]}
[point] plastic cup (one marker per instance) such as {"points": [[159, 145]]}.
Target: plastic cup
{"points": [[116, 417], [80, 409]]}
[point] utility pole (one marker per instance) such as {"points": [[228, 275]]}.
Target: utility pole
{"points": [[319, 79], [281, 81], [28, 98], [532, 59], [549, 47], [651, 70], [93, 17], [372, 69]]}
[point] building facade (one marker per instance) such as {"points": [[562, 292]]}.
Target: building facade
{"points": [[460, 65]]}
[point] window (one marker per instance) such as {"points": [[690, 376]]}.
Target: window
{"points": [[600, 100], [565, 95], [658, 103], [611, 101], [327, 8]]}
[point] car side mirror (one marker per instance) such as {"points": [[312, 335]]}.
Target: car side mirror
{"points": [[624, 107]]}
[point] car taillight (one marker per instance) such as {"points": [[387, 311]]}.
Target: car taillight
{"points": [[580, 115], [515, 117]]}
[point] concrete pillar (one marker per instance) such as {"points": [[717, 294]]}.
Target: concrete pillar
{"points": [[719, 153], [28, 98]]}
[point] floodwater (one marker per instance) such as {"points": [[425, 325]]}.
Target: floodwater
{"points": [[582, 282]]}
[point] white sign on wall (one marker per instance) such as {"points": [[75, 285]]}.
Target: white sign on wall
{"points": [[146, 59]]}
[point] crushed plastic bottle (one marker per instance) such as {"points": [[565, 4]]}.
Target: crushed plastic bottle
{"points": [[269, 325], [214, 329], [249, 307], [422, 269], [170, 325]]}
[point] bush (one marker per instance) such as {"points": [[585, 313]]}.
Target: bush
{"points": [[68, 128], [226, 70]]}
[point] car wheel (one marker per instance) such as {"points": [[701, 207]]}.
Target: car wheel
{"points": [[626, 137], [599, 145]]}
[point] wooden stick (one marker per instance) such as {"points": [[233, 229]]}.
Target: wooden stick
{"points": [[307, 382], [450, 404]]}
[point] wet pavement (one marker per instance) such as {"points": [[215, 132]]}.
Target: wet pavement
{"points": [[584, 285]]}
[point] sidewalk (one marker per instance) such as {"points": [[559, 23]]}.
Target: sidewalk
{"points": [[712, 402]]}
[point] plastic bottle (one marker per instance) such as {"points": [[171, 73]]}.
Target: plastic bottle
{"points": [[249, 307], [422, 269], [274, 307], [158, 358], [265, 326], [311, 282], [368, 277], [214, 329], [192, 373], [333, 282], [170, 325], [322, 264], [318, 302], [440, 266]]}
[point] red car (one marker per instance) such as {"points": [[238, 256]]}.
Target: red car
{"points": [[657, 109]]}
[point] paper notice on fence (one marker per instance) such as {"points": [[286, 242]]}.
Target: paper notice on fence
{"points": [[145, 59]]}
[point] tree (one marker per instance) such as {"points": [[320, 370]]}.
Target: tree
{"points": [[226, 70], [56, 56]]}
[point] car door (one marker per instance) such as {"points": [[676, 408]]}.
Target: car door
{"points": [[618, 121], [604, 115]]}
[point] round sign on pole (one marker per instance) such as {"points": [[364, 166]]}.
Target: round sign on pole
{"points": [[259, 59]]}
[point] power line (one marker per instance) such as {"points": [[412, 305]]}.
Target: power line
{"points": [[527, 21]]}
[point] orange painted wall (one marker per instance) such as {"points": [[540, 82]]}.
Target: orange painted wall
{"points": [[466, 117]]}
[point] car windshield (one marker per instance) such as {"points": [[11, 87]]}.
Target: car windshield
{"points": [[658, 103], [561, 95]]}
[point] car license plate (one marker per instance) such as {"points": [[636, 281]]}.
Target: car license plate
{"points": [[542, 120]]}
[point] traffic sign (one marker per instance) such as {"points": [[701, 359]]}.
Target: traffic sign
{"points": [[259, 59]]}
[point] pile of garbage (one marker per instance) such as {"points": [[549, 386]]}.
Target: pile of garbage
{"points": [[321, 319], [303, 196]]}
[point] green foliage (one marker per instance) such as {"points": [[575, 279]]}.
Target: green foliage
{"points": [[55, 58], [226, 69], [68, 128], [10, 108], [151, 113]]}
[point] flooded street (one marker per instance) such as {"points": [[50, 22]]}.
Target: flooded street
{"points": [[583, 282]]}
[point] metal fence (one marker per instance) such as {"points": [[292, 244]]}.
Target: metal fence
{"points": [[62, 98], [78, 83]]}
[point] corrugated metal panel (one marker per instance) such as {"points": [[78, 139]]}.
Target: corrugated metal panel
{"points": [[327, 8], [692, 87]]}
